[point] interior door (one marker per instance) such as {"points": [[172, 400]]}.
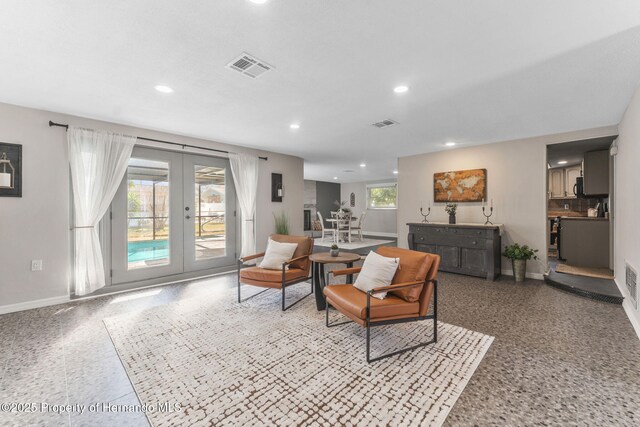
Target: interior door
{"points": [[209, 213], [146, 218]]}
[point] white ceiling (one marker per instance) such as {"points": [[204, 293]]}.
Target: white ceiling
{"points": [[478, 71]]}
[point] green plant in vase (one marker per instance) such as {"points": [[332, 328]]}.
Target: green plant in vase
{"points": [[335, 250], [282, 223], [519, 255], [451, 209]]}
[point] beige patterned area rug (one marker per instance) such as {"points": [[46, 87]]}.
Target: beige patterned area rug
{"points": [[251, 364]]}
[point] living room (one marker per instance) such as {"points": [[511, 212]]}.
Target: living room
{"points": [[218, 227]]}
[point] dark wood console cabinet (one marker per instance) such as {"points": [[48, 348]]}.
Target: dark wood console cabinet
{"points": [[471, 249]]}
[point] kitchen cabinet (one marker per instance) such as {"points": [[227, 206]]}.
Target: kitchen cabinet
{"points": [[596, 173], [584, 242], [570, 175], [556, 183], [562, 180], [470, 249]]}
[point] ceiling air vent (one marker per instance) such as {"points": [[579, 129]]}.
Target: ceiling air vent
{"points": [[249, 66], [385, 123]]}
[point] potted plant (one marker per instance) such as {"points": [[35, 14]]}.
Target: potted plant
{"points": [[519, 256], [282, 223], [451, 210], [335, 250]]}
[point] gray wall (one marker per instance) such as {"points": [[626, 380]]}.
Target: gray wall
{"points": [[382, 222], [36, 226], [326, 194], [516, 181]]}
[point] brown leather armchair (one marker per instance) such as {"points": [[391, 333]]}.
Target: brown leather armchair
{"points": [[294, 271], [407, 300]]}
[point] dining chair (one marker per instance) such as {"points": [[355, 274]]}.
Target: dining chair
{"points": [[358, 227], [343, 225], [326, 230]]}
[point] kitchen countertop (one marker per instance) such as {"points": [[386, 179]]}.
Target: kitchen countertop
{"points": [[583, 218], [555, 214]]}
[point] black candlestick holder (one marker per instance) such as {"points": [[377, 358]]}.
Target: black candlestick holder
{"points": [[487, 216], [425, 216]]}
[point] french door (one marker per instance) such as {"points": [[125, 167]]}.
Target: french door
{"points": [[173, 213]]}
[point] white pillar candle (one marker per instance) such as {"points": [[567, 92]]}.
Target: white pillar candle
{"points": [[5, 179]]}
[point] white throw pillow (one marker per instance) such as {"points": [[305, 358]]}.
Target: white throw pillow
{"points": [[377, 272], [276, 254]]}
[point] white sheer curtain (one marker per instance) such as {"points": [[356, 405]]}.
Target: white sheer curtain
{"points": [[98, 161], [244, 168]]}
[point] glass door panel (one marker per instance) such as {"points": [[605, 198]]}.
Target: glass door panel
{"points": [[145, 242], [147, 213], [210, 228], [210, 210]]}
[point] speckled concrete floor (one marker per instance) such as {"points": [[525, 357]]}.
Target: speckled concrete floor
{"points": [[557, 359]]}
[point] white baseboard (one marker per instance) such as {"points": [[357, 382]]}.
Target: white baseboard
{"points": [[626, 304], [28, 305], [628, 309], [379, 233], [529, 275]]}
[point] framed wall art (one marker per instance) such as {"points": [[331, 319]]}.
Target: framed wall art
{"points": [[10, 170], [460, 186]]}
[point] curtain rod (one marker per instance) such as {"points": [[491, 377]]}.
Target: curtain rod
{"points": [[51, 123]]}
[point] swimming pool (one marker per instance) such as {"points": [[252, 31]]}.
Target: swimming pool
{"points": [[148, 250]]}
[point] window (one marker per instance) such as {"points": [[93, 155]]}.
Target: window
{"points": [[382, 196]]}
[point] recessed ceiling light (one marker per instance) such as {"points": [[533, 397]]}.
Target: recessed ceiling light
{"points": [[335, 177], [294, 126], [400, 89], [450, 144], [258, 1], [562, 162], [163, 89], [363, 165], [395, 172]]}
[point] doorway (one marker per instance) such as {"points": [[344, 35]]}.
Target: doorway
{"points": [[173, 213], [580, 218]]}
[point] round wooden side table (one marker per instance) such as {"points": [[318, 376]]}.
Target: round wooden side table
{"points": [[319, 260]]}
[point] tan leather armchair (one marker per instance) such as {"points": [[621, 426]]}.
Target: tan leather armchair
{"points": [[408, 298], [294, 271]]}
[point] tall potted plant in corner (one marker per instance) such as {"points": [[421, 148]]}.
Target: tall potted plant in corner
{"points": [[519, 256], [282, 223]]}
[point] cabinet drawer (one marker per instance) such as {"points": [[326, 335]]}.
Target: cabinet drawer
{"points": [[476, 232], [447, 230], [450, 240]]}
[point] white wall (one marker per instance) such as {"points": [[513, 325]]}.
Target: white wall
{"points": [[516, 181], [36, 226], [377, 221], [627, 203]]}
